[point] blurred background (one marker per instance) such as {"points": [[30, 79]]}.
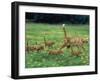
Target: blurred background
{"points": [[57, 18]]}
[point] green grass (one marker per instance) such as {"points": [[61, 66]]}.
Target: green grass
{"points": [[35, 33]]}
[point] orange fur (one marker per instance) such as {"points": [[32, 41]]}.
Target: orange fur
{"points": [[48, 43], [75, 52], [34, 47], [55, 52]]}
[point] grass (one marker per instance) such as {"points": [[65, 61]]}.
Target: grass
{"points": [[35, 33]]}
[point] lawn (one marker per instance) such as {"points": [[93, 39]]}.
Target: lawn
{"points": [[34, 34]]}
